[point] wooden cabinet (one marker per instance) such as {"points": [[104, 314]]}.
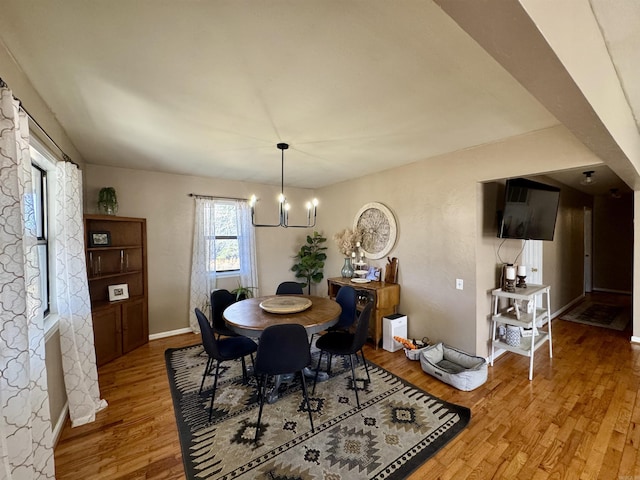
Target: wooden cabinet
{"points": [[116, 252], [385, 298]]}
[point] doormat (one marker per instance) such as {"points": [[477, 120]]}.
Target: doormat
{"points": [[615, 317], [397, 428]]}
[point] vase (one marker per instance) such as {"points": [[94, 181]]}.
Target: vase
{"points": [[347, 268]]}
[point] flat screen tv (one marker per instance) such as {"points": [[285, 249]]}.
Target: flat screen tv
{"points": [[530, 210]]}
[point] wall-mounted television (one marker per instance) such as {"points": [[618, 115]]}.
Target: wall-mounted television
{"points": [[530, 210]]}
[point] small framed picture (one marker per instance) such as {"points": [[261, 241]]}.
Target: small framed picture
{"points": [[99, 239], [118, 292]]}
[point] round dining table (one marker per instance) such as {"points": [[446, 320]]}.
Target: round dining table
{"points": [[249, 318]]}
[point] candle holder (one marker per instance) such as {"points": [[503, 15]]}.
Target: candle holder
{"points": [[510, 285], [521, 283]]}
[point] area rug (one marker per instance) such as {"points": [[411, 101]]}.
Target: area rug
{"points": [[397, 428], [615, 317]]}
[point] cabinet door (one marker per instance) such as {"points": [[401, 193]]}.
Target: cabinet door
{"points": [[107, 332], [134, 325]]}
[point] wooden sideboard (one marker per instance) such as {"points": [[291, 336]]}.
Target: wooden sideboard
{"points": [[385, 298]]}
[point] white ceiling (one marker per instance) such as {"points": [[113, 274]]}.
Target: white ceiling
{"points": [[209, 88]]}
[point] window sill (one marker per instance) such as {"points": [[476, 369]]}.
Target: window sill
{"points": [[228, 274], [51, 326]]}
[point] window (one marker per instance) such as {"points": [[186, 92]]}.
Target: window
{"points": [[223, 247], [39, 180], [43, 180]]}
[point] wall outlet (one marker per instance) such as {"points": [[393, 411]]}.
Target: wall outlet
{"points": [[459, 284]]}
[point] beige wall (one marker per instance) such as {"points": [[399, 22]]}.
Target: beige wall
{"points": [[446, 225], [163, 200]]}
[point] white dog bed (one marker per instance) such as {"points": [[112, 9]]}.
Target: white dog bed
{"points": [[458, 369]]}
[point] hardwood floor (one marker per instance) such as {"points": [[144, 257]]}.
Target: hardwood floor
{"points": [[578, 418]]}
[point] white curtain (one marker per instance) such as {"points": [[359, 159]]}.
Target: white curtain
{"points": [[203, 281], [247, 246], [25, 428], [72, 295], [203, 278]]}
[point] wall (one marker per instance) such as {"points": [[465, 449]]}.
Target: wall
{"points": [[163, 200], [445, 229], [613, 244]]}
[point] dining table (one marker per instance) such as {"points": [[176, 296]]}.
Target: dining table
{"points": [[251, 316]]}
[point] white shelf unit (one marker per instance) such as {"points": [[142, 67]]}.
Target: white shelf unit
{"points": [[539, 295]]}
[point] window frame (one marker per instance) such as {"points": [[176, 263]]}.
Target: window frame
{"points": [[215, 238], [44, 159]]}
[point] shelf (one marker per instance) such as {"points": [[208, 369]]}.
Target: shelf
{"points": [[121, 247], [106, 303], [525, 344], [526, 319], [114, 274]]}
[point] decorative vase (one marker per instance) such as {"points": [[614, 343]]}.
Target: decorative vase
{"points": [[347, 268]]}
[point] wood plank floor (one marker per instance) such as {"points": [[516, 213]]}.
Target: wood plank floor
{"points": [[578, 419]]}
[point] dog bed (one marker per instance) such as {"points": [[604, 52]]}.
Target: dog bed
{"points": [[458, 369]]}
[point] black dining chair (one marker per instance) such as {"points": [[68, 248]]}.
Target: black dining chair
{"points": [[220, 350], [289, 288], [346, 344], [220, 300], [282, 349], [346, 298]]}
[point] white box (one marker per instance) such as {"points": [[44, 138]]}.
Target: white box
{"points": [[393, 326]]}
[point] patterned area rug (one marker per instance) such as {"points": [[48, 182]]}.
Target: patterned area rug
{"points": [[397, 428], [615, 317]]}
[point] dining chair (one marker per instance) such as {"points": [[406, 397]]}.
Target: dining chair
{"points": [[220, 300], [289, 288], [220, 350], [282, 349], [346, 344], [346, 298]]}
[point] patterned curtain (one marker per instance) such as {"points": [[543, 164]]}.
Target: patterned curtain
{"points": [[203, 281], [247, 246], [72, 294], [25, 427]]}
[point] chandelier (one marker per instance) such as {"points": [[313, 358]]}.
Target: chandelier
{"points": [[283, 205]]}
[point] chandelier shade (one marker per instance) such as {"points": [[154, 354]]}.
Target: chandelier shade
{"points": [[283, 205]]}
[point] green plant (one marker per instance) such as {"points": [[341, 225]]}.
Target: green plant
{"points": [[310, 260], [243, 292], [108, 201]]}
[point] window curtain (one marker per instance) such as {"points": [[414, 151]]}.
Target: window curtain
{"points": [[26, 451], [247, 246], [72, 295], [202, 280]]}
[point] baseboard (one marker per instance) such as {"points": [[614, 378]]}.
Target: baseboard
{"points": [[170, 333], [56, 431], [568, 306], [635, 339], [611, 290]]}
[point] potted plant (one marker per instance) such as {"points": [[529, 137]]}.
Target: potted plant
{"points": [[310, 260], [108, 201], [242, 293]]}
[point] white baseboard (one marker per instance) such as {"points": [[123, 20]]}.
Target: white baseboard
{"points": [[635, 339], [170, 333], [56, 431]]}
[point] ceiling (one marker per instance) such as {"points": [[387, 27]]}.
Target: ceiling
{"points": [[208, 88]]}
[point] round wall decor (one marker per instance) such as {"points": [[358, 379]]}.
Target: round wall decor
{"points": [[378, 227]]}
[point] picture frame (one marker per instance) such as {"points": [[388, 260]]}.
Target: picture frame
{"points": [[118, 292], [99, 239]]}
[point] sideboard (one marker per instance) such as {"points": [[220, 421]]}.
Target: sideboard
{"points": [[385, 298]]}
